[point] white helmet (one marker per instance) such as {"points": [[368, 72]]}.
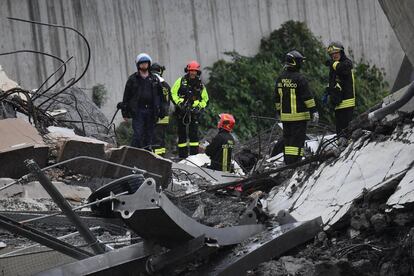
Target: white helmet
{"points": [[143, 57]]}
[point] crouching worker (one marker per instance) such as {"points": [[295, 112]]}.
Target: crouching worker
{"points": [[220, 149]]}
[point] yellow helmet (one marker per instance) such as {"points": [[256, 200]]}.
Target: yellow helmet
{"points": [[335, 47]]}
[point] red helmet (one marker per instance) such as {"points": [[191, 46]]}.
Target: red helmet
{"points": [[193, 66], [226, 122]]}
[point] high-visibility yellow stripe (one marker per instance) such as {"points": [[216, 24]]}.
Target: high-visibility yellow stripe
{"points": [[174, 91], [164, 120], [182, 145], [280, 91], [293, 100], [194, 144], [160, 151], [353, 82], [346, 103], [335, 64], [301, 116], [289, 150], [224, 161], [310, 103], [302, 152]]}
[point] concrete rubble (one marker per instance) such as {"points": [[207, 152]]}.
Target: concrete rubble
{"points": [[19, 141], [346, 209]]}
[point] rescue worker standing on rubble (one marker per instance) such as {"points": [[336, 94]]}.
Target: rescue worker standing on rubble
{"points": [[221, 147], [190, 98], [294, 103], [162, 124], [142, 102], [341, 88]]}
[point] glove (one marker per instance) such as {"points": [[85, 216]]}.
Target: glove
{"points": [[202, 105], [120, 105], [315, 117], [325, 99], [196, 103]]}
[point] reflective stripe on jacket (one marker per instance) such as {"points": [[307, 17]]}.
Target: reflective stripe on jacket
{"points": [[220, 151], [187, 91], [341, 76], [293, 97]]}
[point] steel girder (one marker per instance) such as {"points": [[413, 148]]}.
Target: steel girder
{"points": [[282, 239], [42, 238], [151, 215], [121, 261]]}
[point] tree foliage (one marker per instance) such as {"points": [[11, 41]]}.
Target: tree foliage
{"points": [[99, 94], [244, 86]]}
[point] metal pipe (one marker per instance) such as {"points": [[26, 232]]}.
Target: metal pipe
{"points": [[382, 112], [65, 207], [42, 238], [13, 253], [105, 199]]}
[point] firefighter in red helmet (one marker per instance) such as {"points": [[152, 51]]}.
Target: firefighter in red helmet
{"points": [[221, 148], [190, 98]]}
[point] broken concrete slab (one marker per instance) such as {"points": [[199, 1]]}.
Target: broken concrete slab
{"points": [[192, 165], [12, 161], [332, 188], [34, 190], [17, 133], [5, 82], [19, 141], [405, 191], [75, 147], [249, 256], [140, 159]]}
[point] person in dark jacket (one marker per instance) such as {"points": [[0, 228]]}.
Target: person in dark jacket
{"points": [[341, 88], [162, 124], [142, 101], [295, 103], [221, 147], [190, 97]]}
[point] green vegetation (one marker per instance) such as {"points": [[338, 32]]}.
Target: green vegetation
{"points": [[99, 93], [124, 133], [245, 85]]}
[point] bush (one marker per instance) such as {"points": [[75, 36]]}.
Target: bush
{"points": [[99, 93], [245, 85], [124, 133]]}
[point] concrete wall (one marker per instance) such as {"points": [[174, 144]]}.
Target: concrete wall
{"points": [[176, 31], [400, 14]]}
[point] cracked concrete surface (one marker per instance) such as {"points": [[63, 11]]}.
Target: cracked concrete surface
{"points": [[364, 166]]}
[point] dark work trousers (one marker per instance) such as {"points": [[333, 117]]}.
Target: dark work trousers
{"points": [[158, 144], [342, 119], [143, 125], [191, 119], [294, 134]]}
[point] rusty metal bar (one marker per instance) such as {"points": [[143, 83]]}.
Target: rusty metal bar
{"points": [[58, 198]]}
